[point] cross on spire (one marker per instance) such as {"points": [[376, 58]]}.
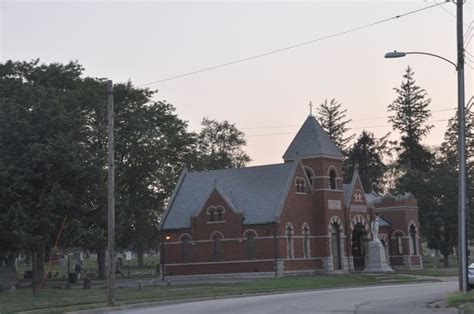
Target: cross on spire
{"points": [[310, 108]]}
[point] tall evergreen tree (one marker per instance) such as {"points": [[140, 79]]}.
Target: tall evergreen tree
{"points": [[415, 163], [409, 116], [333, 120], [367, 155]]}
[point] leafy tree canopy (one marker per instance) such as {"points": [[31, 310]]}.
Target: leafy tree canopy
{"points": [[220, 145]]}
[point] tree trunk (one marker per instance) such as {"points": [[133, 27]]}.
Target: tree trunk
{"points": [[140, 253], [101, 263], [39, 264], [446, 260]]}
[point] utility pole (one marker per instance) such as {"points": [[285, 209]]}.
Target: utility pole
{"points": [[462, 221], [110, 194]]}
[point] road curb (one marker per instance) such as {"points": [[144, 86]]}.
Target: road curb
{"points": [[176, 301]]}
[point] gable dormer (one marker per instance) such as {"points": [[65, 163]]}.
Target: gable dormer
{"points": [[218, 214], [354, 195], [217, 208]]}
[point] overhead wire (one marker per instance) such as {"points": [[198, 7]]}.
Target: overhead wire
{"points": [[356, 120], [356, 128], [468, 31], [468, 41], [288, 47]]}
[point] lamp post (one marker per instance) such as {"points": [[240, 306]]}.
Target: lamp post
{"points": [[462, 221]]}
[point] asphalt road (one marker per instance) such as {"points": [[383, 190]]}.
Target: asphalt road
{"points": [[409, 298]]}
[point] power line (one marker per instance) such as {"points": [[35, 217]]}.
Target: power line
{"points": [[469, 30], [469, 61], [289, 47], [452, 14], [356, 128], [298, 125], [468, 41]]}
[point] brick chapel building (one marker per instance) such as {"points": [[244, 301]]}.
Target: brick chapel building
{"points": [[288, 218]]}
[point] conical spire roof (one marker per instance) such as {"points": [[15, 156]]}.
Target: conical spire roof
{"points": [[312, 141]]}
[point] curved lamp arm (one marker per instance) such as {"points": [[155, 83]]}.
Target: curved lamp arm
{"points": [[398, 54]]}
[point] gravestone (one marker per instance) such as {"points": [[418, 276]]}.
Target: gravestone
{"points": [[7, 277], [87, 283]]}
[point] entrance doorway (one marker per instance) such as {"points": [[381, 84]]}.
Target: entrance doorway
{"points": [[336, 246], [358, 248]]}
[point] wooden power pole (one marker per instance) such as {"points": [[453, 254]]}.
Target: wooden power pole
{"points": [[110, 195]]}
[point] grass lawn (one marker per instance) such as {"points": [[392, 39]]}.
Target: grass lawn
{"points": [[436, 272], [462, 301], [433, 266], [61, 300]]}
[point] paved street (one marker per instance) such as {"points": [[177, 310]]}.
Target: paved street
{"points": [[410, 298]]}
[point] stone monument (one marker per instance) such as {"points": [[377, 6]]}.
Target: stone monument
{"points": [[376, 261]]}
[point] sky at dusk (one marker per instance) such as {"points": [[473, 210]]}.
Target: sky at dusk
{"points": [[266, 97]]}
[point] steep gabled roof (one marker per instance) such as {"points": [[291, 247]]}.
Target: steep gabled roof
{"points": [[312, 141], [258, 192], [349, 189]]}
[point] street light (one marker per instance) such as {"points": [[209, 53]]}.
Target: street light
{"points": [[462, 238], [400, 54]]}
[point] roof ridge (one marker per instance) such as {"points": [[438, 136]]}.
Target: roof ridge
{"points": [[239, 168]]}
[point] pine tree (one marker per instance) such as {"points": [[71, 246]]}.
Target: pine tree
{"points": [[333, 120], [367, 155], [410, 115]]}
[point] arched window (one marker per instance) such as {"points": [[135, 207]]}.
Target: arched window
{"points": [[332, 179], [250, 244], [215, 213], [185, 248], [413, 240], [306, 244], [300, 185], [336, 246], [310, 174], [399, 244], [289, 241], [217, 254]]}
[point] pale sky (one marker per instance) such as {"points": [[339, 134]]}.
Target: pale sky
{"points": [[148, 41]]}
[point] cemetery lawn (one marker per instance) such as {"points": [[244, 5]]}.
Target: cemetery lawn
{"points": [[462, 301], [51, 300]]}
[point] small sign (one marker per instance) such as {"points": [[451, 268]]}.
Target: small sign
{"points": [[334, 204]]}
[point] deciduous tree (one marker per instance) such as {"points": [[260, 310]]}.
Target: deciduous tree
{"points": [[220, 145]]}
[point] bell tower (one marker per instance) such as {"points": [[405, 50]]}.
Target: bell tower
{"points": [[322, 161]]}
